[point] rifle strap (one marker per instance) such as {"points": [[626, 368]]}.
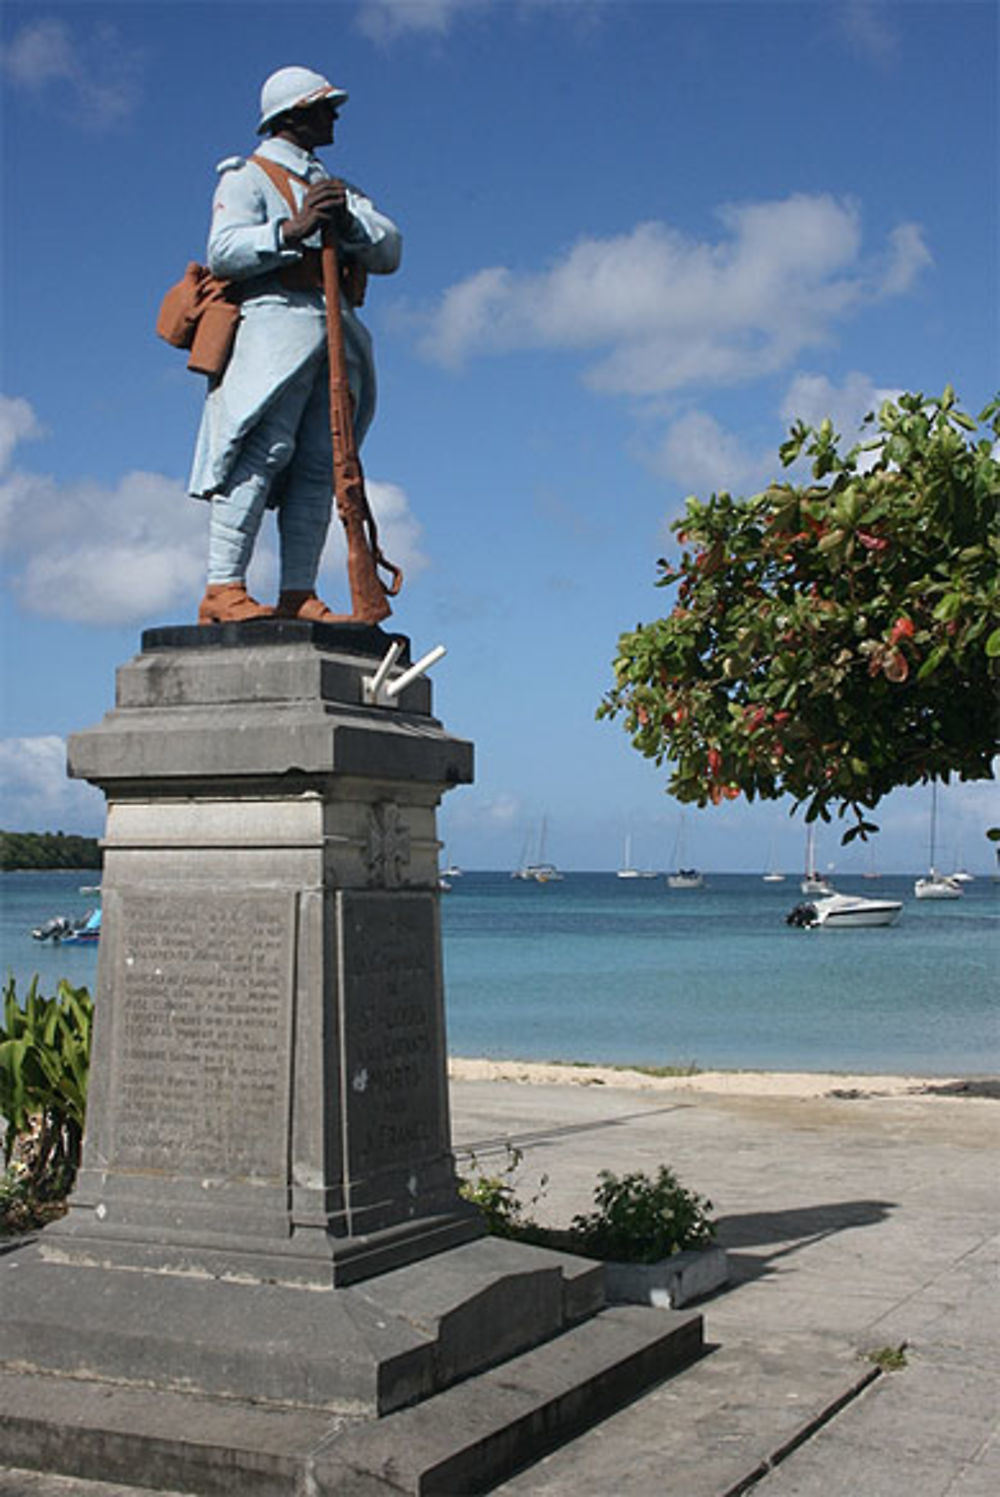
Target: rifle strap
{"points": [[279, 175], [307, 274]]}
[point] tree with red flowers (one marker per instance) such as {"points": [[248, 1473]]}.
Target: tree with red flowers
{"points": [[837, 639]]}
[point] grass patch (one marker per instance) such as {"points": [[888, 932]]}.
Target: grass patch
{"points": [[888, 1358]]}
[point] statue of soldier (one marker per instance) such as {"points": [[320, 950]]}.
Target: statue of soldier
{"points": [[264, 440]]}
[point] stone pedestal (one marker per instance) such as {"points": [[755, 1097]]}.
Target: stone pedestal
{"points": [[269, 1094], [267, 1281]]}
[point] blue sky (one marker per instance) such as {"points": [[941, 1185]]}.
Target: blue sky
{"points": [[640, 237]]}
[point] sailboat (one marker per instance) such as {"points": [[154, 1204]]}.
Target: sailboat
{"points": [[960, 874], [627, 870], [539, 871], [683, 876], [773, 875], [936, 885], [813, 882]]}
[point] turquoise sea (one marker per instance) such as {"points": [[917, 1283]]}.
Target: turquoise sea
{"points": [[596, 968]]}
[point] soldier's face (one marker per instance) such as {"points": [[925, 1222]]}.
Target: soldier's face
{"points": [[314, 126]]}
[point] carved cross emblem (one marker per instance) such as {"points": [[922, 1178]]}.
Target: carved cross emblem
{"points": [[388, 852]]}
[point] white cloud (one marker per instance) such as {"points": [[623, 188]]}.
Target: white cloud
{"points": [[98, 554], [40, 53], [399, 537], [907, 256], [18, 423], [384, 20], [486, 813], [35, 791], [812, 397], [869, 27], [699, 454], [659, 311], [97, 76], [135, 551]]}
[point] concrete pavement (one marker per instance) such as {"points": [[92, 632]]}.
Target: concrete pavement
{"points": [[854, 1222]]}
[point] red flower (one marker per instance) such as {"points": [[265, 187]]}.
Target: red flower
{"points": [[901, 629]]}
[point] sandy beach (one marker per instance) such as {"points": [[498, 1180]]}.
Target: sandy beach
{"points": [[764, 1084]]}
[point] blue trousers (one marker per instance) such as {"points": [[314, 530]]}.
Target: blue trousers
{"points": [[289, 455]]}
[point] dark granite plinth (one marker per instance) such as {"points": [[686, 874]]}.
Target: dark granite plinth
{"points": [[348, 639]]}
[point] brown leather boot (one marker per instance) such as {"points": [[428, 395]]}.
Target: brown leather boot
{"points": [[306, 605], [230, 603]]}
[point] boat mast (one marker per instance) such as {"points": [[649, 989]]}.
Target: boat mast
{"points": [[933, 822]]}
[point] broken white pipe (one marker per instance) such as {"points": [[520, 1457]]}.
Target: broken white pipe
{"points": [[403, 681], [376, 682]]}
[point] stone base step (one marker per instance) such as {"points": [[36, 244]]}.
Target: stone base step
{"points": [[463, 1440]]}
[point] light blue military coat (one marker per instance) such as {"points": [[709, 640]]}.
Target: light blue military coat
{"points": [[279, 330]]}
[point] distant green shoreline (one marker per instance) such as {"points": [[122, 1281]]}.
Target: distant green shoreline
{"points": [[49, 852]]}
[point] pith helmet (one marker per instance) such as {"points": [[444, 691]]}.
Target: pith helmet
{"points": [[294, 88]]}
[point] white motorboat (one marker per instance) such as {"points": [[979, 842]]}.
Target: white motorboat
{"points": [[845, 912], [936, 885], [539, 873]]}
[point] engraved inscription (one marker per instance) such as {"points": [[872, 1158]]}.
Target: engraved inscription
{"points": [[394, 1044], [203, 992]]}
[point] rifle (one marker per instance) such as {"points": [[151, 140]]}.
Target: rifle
{"points": [[369, 594]]}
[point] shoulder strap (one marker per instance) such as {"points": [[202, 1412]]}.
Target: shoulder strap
{"points": [[279, 176]]}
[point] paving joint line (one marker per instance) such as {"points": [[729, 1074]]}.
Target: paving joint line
{"points": [[807, 1431]]}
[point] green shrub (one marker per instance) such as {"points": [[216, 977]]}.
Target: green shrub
{"points": [[639, 1220], [44, 1068], [497, 1199]]}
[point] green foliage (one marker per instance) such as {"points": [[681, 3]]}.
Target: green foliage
{"points": [[837, 639], [639, 1220], [38, 850], [44, 1067], [497, 1198], [889, 1358]]}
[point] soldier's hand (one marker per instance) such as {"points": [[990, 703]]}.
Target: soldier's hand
{"points": [[325, 204]]}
